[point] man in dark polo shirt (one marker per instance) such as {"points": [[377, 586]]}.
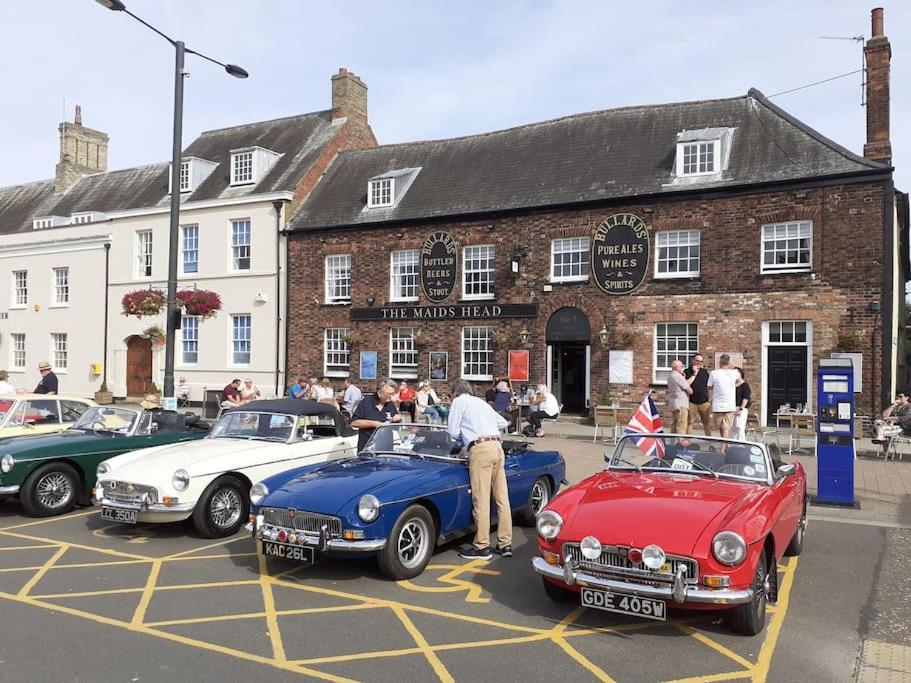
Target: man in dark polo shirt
{"points": [[699, 400], [374, 411], [48, 383]]}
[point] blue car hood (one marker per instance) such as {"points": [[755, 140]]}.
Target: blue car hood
{"points": [[333, 487]]}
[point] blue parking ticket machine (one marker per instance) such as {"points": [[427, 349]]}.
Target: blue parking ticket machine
{"points": [[835, 431]]}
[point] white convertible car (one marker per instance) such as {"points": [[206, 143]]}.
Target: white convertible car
{"points": [[210, 479]]}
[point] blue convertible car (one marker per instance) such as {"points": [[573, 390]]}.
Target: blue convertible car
{"points": [[406, 492]]}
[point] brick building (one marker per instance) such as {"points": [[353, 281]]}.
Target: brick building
{"points": [[608, 244]]}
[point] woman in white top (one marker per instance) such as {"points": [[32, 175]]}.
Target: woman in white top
{"points": [[427, 403], [6, 389], [249, 391], [324, 391]]}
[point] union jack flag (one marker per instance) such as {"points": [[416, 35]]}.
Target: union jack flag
{"points": [[647, 420]]}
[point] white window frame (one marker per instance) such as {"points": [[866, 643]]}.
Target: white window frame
{"points": [[401, 344], [60, 285], [40, 223], [336, 352], [399, 263], [466, 338], [17, 289], [243, 161], [81, 218], [185, 180], [682, 353], [791, 326], [238, 248], [672, 239], [700, 145], [184, 251], [239, 342], [786, 226], [17, 351], [330, 266], [492, 257], [380, 193], [580, 246], [144, 257], [186, 340], [59, 352]]}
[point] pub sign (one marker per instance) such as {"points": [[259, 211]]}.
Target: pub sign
{"points": [[620, 252], [439, 266]]}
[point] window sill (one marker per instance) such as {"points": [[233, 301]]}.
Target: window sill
{"points": [[20, 371], [337, 373], [486, 297], [58, 305], [403, 375], [575, 281], [18, 307], [413, 300], [242, 183], [690, 278], [57, 371], [336, 303], [477, 378], [802, 271]]}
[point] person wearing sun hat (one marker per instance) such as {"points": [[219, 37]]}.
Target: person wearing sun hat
{"points": [[151, 402], [48, 383]]}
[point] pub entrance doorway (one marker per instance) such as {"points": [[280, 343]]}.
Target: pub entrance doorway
{"points": [[568, 338], [139, 365]]}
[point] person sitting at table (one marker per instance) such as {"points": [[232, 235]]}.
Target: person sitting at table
{"points": [[896, 421], [230, 395], [181, 392], [425, 403], [502, 402], [491, 394], [249, 391], [544, 406], [406, 396], [300, 389], [313, 391]]}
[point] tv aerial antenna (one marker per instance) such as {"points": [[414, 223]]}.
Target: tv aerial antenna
{"points": [[863, 71]]}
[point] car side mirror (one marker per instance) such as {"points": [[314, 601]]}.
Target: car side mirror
{"points": [[153, 428], [30, 423], [786, 470]]}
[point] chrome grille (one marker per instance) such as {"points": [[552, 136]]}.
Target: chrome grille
{"points": [[125, 492], [612, 562], [307, 522]]}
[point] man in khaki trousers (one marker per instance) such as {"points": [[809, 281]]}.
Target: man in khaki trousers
{"points": [[473, 422]]}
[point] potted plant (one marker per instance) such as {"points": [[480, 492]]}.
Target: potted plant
{"points": [[623, 339], [156, 333], [852, 340], [420, 339], [103, 396], [351, 339], [199, 302], [143, 302], [153, 389]]}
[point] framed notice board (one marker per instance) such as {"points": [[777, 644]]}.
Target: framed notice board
{"points": [[518, 366]]}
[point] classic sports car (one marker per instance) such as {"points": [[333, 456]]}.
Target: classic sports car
{"points": [[209, 480], [405, 493], [50, 472], [700, 526], [39, 413]]}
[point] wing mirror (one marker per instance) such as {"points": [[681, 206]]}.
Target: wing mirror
{"points": [[30, 423], [786, 470]]}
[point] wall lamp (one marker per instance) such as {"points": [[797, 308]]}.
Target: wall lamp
{"points": [[370, 301], [523, 335], [603, 335]]}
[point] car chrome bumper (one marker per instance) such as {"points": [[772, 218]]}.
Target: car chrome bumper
{"points": [[150, 507], [324, 544], [679, 592], [9, 490]]}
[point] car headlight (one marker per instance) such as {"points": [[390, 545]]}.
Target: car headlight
{"points": [[6, 463], [729, 548], [181, 480], [549, 524], [103, 468], [653, 557], [258, 492], [368, 508], [590, 547]]}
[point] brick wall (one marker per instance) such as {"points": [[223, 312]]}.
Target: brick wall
{"points": [[729, 300]]}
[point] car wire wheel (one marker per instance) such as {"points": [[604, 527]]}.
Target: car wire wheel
{"points": [[225, 508], [412, 542], [54, 490], [540, 495]]}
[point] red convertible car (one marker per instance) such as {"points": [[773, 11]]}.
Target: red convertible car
{"points": [[676, 521]]}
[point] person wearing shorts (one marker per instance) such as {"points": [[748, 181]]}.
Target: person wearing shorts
{"points": [[700, 407], [723, 381]]}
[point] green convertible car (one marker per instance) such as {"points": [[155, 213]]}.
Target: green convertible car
{"points": [[51, 472]]}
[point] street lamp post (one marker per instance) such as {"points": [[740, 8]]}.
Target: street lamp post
{"points": [[172, 311]]}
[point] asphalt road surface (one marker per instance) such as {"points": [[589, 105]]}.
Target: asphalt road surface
{"points": [[88, 600]]}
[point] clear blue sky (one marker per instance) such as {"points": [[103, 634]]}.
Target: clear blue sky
{"points": [[434, 69]]}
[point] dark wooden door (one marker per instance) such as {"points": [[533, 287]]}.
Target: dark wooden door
{"points": [[139, 366], [572, 378], [787, 378]]}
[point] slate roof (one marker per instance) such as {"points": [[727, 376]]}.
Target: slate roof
{"points": [[608, 154], [300, 139]]}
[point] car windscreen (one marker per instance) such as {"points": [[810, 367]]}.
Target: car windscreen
{"points": [[412, 439], [693, 455], [240, 424], [118, 420], [4, 408]]}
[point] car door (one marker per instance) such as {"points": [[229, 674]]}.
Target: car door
{"points": [[787, 497]]}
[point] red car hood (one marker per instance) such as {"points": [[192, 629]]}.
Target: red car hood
{"points": [[673, 510]]}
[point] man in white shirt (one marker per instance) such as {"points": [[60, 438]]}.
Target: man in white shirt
{"points": [[723, 381], [353, 396], [544, 407], [473, 422]]}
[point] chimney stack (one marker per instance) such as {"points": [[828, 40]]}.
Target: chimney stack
{"points": [[877, 55], [349, 97], [82, 151]]}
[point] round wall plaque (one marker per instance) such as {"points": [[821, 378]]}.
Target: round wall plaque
{"points": [[620, 253], [439, 266]]}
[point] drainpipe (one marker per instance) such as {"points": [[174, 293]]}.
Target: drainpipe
{"points": [[107, 281], [278, 206]]}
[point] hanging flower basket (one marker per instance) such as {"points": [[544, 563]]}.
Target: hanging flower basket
{"points": [[155, 333], [202, 302], [143, 302]]}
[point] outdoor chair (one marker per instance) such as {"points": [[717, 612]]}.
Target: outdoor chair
{"points": [[802, 427], [755, 431], [897, 444]]}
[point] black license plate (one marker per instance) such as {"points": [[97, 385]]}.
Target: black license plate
{"points": [[624, 604], [299, 553], [119, 515]]}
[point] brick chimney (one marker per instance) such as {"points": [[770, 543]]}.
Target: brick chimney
{"points": [[82, 151], [877, 54], [349, 97]]}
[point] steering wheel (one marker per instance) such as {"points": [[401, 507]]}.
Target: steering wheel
{"points": [[94, 425], [732, 468]]}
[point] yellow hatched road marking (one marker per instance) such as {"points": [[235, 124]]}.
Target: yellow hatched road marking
{"points": [[217, 544], [50, 520], [731, 676], [147, 593], [472, 589], [275, 634], [557, 637], [764, 661], [718, 647], [30, 547], [103, 551], [257, 615], [41, 572], [435, 662]]}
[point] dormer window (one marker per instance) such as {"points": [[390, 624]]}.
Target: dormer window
{"points": [[193, 171], [48, 222], [381, 191], [251, 164], [699, 158], [184, 182], [703, 152], [87, 217]]}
